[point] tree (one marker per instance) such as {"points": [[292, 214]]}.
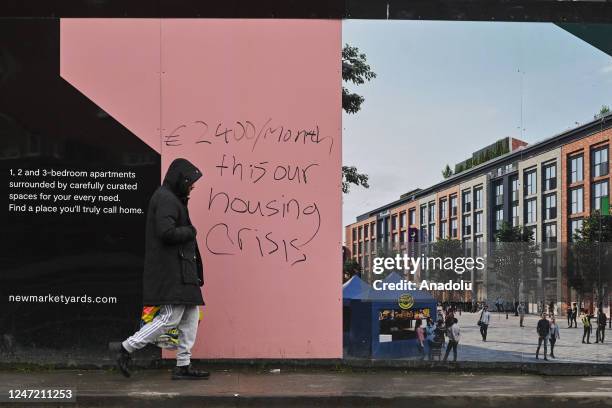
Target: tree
{"points": [[590, 257], [605, 109], [349, 268], [515, 260], [447, 249], [447, 172], [355, 70]]}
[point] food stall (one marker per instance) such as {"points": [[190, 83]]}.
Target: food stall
{"points": [[382, 321], [352, 289]]}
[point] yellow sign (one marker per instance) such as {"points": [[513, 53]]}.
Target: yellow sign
{"points": [[406, 301]]}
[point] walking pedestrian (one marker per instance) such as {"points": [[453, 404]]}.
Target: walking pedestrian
{"points": [[543, 330], [454, 334], [521, 313], [173, 272], [601, 326], [554, 336], [483, 322], [569, 315], [574, 316], [420, 333], [586, 324], [429, 335]]}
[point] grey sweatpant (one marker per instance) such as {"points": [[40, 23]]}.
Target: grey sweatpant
{"points": [[183, 317]]}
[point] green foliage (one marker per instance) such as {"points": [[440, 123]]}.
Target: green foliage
{"points": [[355, 70], [350, 175], [349, 268], [508, 233], [447, 172], [604, 110]]}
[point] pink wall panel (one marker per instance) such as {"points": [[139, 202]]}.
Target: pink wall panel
{"points": [[115, 63], [231, 88], [253, 77]]}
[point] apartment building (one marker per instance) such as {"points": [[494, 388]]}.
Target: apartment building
{"points": [[548, 187]]}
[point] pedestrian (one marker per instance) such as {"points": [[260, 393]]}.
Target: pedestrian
{"points": [[574, 316], [543, 330], [429, 335], [601, 326], [569, 315], [173, 271], [521, 313], [420, 333], [554, 336], [586, 324], [454, 334], [483, 322]]}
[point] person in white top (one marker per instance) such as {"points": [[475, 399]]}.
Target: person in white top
{"points": [[483, 322], [454, 335]]}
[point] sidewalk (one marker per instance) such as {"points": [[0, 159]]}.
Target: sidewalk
{"points": [[307, 388]]}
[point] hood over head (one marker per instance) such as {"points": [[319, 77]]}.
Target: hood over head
{"points": [[180, 175]]}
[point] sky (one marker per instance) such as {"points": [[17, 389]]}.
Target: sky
{"points": [[445, 89]]}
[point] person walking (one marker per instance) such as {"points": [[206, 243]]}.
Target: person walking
{"points": [[521, 314], [483, 322], [586, 324], [568, 310], [554, 336], [543, 330], [420, 333], [601, 326], [574, 316], [173, 271], [454, 335], [429, 335]]}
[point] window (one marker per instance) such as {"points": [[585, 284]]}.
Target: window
{"points": [[467, 225], [576, 200], [550, 177], [393, 222], [453, 205], [600, 162], [515, 188], [423, 215], [454, 228], [432, 233], [402, 237], [403, 219], [530, 183], [532, 233], [443, 229], [365, 231], [360, 234], [550, 207], [575, 226], [354, 234], [478, 223], [515, 215], [432, 212], [499, 218], [499, 194], [530, 211], [354, 249], [443, 209], [478, 198], [411, 217], [550, 265], [600, 192], [550, 233], [576, 168], [467, 201]]}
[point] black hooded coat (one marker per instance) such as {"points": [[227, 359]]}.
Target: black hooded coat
{"points": [[173, 271]]}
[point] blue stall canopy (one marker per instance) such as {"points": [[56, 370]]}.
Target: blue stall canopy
{"points": [[353, 288]]}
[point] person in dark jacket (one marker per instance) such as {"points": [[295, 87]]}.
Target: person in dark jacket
{"points": [[173, 271], [601, 326], [543, 330]]}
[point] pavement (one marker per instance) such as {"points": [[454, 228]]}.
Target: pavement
{"points": [[308, 388], [507, 342]]}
